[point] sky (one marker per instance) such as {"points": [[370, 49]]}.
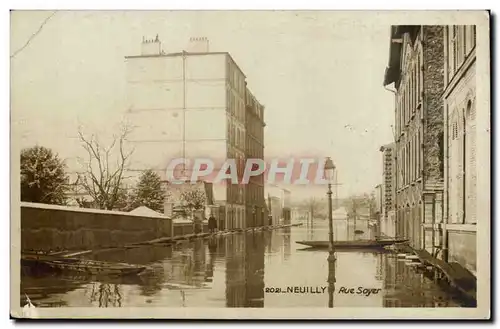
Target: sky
{"points": [[318, 74]]}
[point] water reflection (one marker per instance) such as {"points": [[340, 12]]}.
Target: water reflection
{"points": [[106, 295], [254, 280], [236, 270]]}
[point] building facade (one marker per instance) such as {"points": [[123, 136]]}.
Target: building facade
{"points": [[254, 149], [189, 104], [276, 210], [287, 210], [416, 68], [388, 214], [467, 143], [378, 209]]}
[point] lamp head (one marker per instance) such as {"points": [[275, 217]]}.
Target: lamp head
{"points": [[329, 169]]}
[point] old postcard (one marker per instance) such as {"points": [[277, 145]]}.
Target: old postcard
{"points": [[250, 164]]}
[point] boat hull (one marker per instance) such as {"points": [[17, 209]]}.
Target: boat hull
{"points": [[85, 266]]}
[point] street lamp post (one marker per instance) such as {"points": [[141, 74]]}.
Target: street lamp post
{"points": [[329, 171], [254, 216]]}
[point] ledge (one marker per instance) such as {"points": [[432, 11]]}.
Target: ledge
{"points": [[45, 206], [461, 227]]}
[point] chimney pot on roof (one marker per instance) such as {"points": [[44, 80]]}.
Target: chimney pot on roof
{"points": [[198, 45], [151, 46]]}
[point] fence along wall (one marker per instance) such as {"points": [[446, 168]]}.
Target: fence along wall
{"points": [[51, 228]]}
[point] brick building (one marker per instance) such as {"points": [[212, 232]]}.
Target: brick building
{"points": [[416, 69], [465, 144]]}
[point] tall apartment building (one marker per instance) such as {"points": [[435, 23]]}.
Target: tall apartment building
{"points": [[416, 62], [388, 215], [189, 104], [468, 142]]}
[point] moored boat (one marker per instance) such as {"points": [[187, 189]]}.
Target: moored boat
{"points": [[86, 266]]}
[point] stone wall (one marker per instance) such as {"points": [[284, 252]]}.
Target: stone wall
{"points": [[49, 228], [186, 227], [462, 249]]}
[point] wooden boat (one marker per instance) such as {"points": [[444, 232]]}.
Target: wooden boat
{"points": [[380, 243], [79, 265]]}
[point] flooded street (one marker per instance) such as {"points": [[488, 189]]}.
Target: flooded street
{"points": [[244, 270]]}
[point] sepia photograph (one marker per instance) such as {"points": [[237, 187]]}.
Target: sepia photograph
{"points": [[224, 164]]}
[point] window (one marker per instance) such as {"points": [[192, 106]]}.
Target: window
{"points": [[454, 133], [420, 153], [410, 93], [420, 73], [458, 46], [453, 50], [473, 35], [230, 73], [470, 38], [231, 109], [417, 79], [413, 89], [410, 160], [403, 111], [407, 164], [415, 150], [407, 102], [470, 165]]}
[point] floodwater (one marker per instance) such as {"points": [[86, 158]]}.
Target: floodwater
{"points": [[264, 269]]}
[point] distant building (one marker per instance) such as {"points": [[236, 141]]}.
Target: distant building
{"points": [[416, 62], [279, 204], [376, 216], [388, 214], [378, 199], [191, 104], [276, 209], [286, 203], [467, 144]]}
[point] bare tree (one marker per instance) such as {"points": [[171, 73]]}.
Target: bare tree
{"points": [[104, 170]]}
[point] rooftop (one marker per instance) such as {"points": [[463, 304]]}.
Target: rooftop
{"points": [[185, 53]]}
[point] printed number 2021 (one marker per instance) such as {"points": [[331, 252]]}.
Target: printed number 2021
{"points": [[273, 290]]}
